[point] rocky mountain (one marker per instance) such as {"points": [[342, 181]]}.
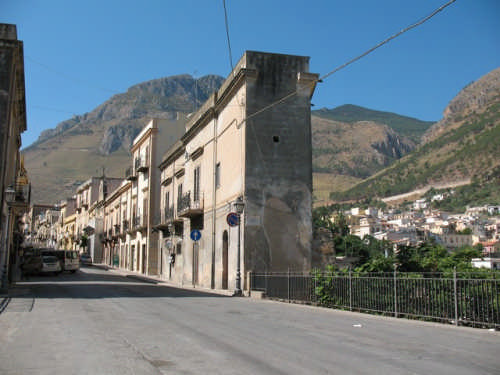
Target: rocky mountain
{"points": [[78, 148], [408, 127], [356, 149], [463, 146], [349, 142]]}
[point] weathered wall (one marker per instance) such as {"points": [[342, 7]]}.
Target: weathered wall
{"points": [[278, 179]]}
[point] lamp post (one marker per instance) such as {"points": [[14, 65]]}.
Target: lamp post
{"points": [[10, 196], [170, 256], [238, 206]]}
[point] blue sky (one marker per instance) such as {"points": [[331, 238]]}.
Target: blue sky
{"points": [[79, 53]]}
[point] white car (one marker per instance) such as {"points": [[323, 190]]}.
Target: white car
{"points": [[51, 263]]}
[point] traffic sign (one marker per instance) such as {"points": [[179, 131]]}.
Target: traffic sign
{"points": [[195, 235], [233, 219]]}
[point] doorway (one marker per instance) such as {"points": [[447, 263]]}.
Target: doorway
{"points": [[132, 257], [225, 261]]}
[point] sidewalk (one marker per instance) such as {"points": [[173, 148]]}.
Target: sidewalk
{"points": [[157, 280]]}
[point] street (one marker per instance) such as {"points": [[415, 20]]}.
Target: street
{"points": [[102, 322]]}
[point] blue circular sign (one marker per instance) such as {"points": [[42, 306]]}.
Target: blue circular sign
{"points": [[195, 235], [233, 219]]}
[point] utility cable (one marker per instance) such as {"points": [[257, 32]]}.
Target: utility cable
{"points": [[412, 26], [227, 34], [388, 39]]}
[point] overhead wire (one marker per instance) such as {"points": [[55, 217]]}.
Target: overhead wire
{"points": [[385, 41], [227, 34]]}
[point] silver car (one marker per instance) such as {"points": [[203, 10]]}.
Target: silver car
{"points": [[51, 263]]}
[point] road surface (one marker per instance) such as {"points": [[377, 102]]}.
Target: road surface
{"points": [[101, 322]]}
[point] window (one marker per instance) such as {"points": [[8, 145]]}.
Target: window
{"points": [[179, 192], [167, 199], [196, 192], [217, 175]]}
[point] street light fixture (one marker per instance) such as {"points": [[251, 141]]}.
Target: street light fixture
{"points": [[238, 206], [170, 254]]}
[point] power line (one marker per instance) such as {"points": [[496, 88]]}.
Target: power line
{"points": [[388, 39], [385, 41], [227, 34]]}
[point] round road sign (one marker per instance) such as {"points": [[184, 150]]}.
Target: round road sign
{"points": [[195, 235], [232, 219]]}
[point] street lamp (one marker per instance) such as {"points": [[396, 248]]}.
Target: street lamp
{"points": [[238, 206], [170, 256], [9, 196]]}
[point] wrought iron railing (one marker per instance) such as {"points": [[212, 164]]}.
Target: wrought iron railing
{"points": [[168, 214], [185, 203], [461, 299]]}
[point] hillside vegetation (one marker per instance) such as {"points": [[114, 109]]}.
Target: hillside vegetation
{"points": [[465, 144], [406, 126]]}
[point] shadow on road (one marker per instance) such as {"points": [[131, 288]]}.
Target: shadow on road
{"points": [[92, 284]]}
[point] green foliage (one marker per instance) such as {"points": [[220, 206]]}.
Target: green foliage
{"points": [[470, 149]]}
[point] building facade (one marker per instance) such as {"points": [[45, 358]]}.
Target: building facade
{"points": [[234, 149], [14, 193]]}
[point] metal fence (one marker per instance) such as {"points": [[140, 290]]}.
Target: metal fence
{"points": [[461, 299]]}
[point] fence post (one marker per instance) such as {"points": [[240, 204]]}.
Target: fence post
{"points": [[288, 284], [265, 281], [250, 282], [395, 294], [455, 294], [350, 289]]}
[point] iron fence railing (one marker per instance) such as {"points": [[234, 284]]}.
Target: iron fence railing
{"points": [[461, 299]]}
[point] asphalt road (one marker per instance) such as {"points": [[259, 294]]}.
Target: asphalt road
{"points": [[100, 322]]}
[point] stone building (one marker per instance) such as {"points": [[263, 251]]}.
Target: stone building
{"points": [[247, 142], [130, 211], [14, 193], [89, 222]]}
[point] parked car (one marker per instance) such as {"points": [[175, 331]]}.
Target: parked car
{"points": [[85, 259], [51, 263], [69, 258]]}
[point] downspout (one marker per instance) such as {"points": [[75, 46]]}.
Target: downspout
{"points": [[214, 199]]}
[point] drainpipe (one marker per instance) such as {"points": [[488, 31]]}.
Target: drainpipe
{"points": [[214, 200]]}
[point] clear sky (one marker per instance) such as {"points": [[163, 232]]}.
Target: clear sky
{"points": [[79, 53]]}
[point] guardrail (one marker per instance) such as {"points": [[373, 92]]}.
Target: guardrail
{"points": [[460, 299]]}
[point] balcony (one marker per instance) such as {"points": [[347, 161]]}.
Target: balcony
{"points": [[141, 164], [22, 195], [116, 230], [125, 226], [187, 207], [130, 174], [166, 218]]}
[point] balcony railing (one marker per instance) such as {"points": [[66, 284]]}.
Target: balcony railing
{"points": [[187, 207], [136, 221], [168, 214], [141, 164], [23, 194], [130, 174], [125, 226]]}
